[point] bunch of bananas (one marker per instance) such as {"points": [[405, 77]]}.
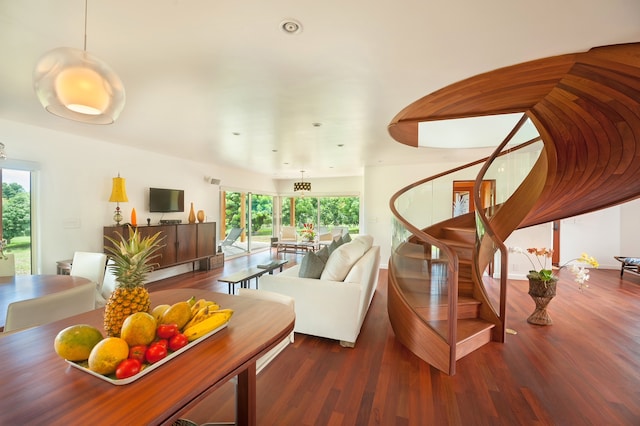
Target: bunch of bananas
{"points": [[206, 316]]}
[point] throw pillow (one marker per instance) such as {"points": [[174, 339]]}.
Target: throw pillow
{"points": [[323, 254], [365, 240], [311, 266], [341, 261], [346, 238], [334, 245]]}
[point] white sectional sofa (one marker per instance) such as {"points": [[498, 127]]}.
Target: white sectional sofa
{"points": [[335, 305]]}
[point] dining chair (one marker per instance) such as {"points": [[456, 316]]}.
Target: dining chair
{"points": [[7, 265], [49, 308], [271, 296], [91, 266], [108, 285]]}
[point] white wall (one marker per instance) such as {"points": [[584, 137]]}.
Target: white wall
{"points": [[75, 183]]}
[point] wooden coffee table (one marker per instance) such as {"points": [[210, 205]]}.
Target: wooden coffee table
{"points": [[245, 276]]}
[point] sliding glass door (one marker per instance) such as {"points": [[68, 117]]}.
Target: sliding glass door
{"points": [[16, 217]]}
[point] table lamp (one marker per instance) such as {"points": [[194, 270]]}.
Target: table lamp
{"points": [[118, 195]]}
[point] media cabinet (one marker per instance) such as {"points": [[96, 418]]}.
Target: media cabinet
{"points": [[182, 243]]}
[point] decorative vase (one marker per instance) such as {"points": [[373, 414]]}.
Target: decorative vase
{"points": [[200, 216], [541, 292], [192, 215]]}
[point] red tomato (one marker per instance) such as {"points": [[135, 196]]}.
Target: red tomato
{"points": [[178, 341], [155, 353], [127, 368], [162, 342], [166, 331], [137, 352]]}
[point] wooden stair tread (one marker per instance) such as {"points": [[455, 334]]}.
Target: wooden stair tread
{"points": [[467, 327]]}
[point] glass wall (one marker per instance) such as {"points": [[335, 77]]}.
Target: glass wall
{"points": [[325, 213], [253, 213]]}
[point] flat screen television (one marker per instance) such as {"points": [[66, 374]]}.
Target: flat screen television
{"points": [[162, 200]]}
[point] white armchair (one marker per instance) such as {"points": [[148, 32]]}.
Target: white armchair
{"points": [[288, 233]]}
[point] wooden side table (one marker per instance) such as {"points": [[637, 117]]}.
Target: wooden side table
{"points": [[64, 267]]}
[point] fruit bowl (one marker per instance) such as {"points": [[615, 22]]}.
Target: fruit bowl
{"points": [[146, 368]]}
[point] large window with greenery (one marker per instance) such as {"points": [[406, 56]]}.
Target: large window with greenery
{"points": [[326, 212], [251, 212], [16, 217]]}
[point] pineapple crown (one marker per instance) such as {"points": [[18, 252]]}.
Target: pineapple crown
{"points": [[131, 257]]}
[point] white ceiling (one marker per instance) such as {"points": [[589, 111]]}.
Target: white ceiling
{"points": [[219, 81]]}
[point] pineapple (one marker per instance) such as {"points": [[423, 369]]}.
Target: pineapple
{"points": [[131, 259]]}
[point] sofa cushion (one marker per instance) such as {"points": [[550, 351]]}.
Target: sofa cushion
{"points": [[323, 254], [346, 238], [311, 266], [337, 242], [365, 240], [341, 261]]}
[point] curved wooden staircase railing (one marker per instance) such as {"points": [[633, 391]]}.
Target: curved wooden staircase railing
{"points": [[586, 108]]}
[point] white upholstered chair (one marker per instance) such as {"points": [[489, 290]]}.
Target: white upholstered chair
{"points": [[108, 285], [91, 266], [288, 233], [8, 265], [273, 297], [49, 308]]}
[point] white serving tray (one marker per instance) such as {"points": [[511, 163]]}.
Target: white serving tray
{"points": [[147, 367]]}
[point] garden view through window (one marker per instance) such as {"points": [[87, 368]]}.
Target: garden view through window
{"points": [[257, 214], [16, 217]]}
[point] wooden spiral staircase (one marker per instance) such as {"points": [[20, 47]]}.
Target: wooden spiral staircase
{"points": [[586, 109]]}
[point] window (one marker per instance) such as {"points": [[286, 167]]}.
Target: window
{"points": [[16, 217]]}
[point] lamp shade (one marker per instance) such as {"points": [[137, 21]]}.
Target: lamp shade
{"points": [[118, 191], [74, 84], [302, 186]]}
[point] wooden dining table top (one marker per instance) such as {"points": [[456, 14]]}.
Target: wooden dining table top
{"points": [[23, 287], [38, 387]]}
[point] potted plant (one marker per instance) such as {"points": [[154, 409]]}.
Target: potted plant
{"points": [[308, 233], [543, 280]]}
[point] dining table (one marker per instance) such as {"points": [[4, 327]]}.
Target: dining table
{"points": [[16, 288], [39, 387]]}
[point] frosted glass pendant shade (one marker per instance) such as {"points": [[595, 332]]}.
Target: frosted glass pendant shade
{"points": [[74, 84]]}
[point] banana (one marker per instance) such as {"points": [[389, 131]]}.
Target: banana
{"points": [[191, 300], [215, 320], [201, 303], [202, 314]]}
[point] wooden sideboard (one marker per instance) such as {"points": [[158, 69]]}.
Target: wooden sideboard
{"points": [[183, 243]]}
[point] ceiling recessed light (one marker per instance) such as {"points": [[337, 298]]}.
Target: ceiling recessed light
{"points": [[236, 133], [274, 150], [340, 145], [316, 124], [291, 26]]}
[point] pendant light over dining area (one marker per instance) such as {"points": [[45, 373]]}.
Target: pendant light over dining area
{"points": [[71, 83]]}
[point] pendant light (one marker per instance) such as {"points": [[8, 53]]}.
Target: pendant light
{"points": [[302, 185], [74, 84]]}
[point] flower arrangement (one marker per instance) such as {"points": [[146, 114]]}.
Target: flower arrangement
{"points": [[546, 275], [308, 233]]}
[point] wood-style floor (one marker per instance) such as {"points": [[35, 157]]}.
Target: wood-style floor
{"points": [[582, 370]]}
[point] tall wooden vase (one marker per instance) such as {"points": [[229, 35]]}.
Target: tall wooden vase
{"points": [[192, 215], [541, 293]]}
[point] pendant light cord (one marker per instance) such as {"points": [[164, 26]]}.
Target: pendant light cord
{"points": [[85, 25]]}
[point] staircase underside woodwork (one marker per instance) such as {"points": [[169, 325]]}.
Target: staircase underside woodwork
{"points": [[586, 107]]}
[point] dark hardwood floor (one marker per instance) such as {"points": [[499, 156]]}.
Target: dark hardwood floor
{"points": [[582, 370]]}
